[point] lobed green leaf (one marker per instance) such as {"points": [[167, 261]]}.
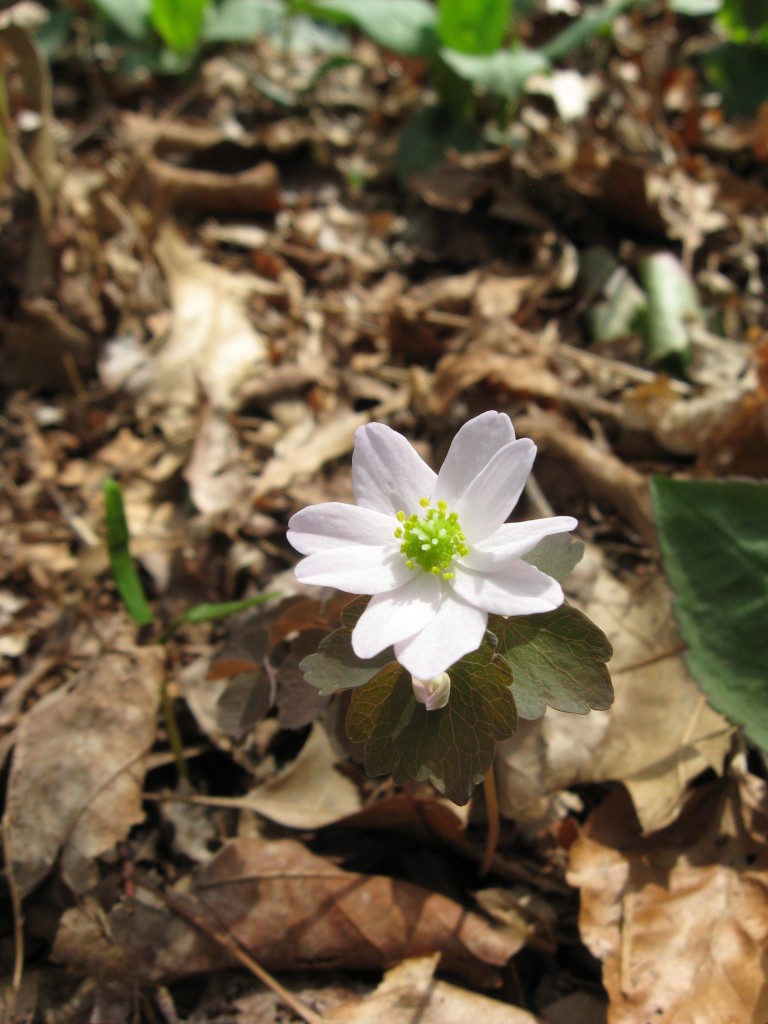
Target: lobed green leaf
{"points": [[557, 659], [335, 666], [556, 555], [454, 747]]}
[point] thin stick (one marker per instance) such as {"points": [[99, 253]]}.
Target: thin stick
{"points": [[18, 922], [172, 729], [494, 825], [650, 660], [230, 943]]}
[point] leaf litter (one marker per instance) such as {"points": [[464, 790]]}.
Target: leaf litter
{"points": [[206, 293]]}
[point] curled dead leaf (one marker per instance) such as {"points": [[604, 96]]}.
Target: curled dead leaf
{"points": [[680, 919]]}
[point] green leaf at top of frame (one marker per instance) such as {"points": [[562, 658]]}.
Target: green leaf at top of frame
{"points": [[405, 26], [452, 747], [695, 8], [473, 26], [233, 21], [503, 73], [179, 23], [714, 544], [123, 569], [587, 25], [558, 659], [130, 16]]}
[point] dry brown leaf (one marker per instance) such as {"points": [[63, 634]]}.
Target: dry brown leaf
{"points": [[680, 919], [659, 734], [602, 474], [310, 793], [218, 474], [291, 910], [212, 345], [425, 818], [255, 190], [410, 992], [78, 768], [328, 441], [498, 360]]}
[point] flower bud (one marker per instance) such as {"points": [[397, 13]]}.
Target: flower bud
{"points": [[432, 693]]}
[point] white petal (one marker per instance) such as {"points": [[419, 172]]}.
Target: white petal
{"points": [[457, 629], [511, 541], [333, 525], [474, 446], [519, 590], [387, 474], [358, 569], [397, 614], [495, 490]]}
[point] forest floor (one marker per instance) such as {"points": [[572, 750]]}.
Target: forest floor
{"points": [[209, 283]]}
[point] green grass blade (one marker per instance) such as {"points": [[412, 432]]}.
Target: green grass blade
{"points": [[123, 570], [210, 612]]}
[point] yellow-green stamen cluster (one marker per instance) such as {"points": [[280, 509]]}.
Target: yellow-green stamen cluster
{"points": [[431, 540]]}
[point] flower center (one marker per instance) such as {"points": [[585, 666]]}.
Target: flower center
{"points": [[431, 540]]}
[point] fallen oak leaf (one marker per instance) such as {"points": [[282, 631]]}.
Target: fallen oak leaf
{"points": [[290, 910]]}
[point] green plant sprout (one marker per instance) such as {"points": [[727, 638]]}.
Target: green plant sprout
{"points": [[131, 591], [470, 45]]}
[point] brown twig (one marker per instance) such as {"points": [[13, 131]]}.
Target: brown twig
{"points": [[18, 922], [671, 652], [226, 939]]}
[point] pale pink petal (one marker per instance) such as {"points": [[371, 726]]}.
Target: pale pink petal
{"points": [[495, 490], [333, 525], [471, 449], [519, 590], [457, 629], [360, 569], [397, 614], [511, 541], [387, 474]]}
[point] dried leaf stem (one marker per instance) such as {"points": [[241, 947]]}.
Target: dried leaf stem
{"points": [[494, 826], [226, 939]]}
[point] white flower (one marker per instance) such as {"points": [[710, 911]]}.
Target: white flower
{"points": [[433, 549], [432, 693]]}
